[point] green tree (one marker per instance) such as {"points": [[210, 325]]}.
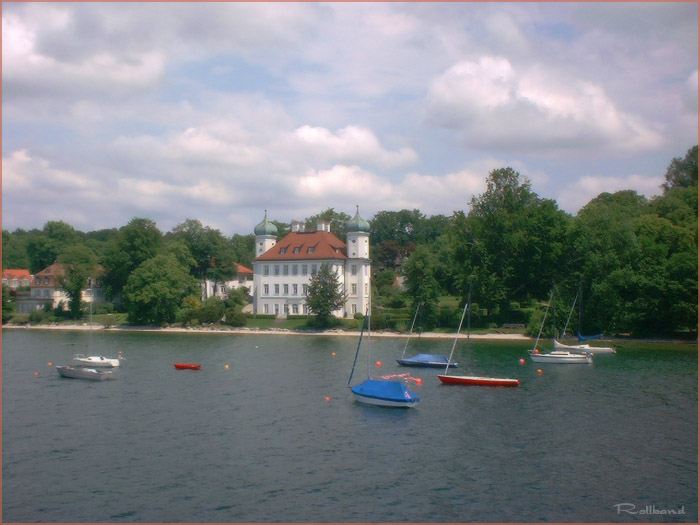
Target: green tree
{"points": [[325, 295], [80, 266], [155, 290], [8, 306], [14, 250], [422, 284], [336, 219], [43, 248], [135, 243], [683, 172]]}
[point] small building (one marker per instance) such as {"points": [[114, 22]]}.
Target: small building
{"points": [[46, 289], [283, 269], [243, 279], [14, 279]]}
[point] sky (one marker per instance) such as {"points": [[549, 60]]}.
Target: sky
{"points": [[220, 111]]}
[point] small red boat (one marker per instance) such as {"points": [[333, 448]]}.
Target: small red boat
{"points": [[188, 366], [479, 381]]}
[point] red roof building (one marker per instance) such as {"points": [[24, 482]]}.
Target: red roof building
{"points": [[14, 279]]}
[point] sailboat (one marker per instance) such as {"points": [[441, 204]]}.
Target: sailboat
{"points": [[556, 356], [95, 360], [583, 347], [423, 360], [471, 380], [379, 392]]}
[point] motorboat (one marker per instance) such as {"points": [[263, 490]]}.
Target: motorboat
{"points": [[82, 372], [187, 366]]}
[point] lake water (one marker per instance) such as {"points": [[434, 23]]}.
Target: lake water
{"points": [[259, 441]]}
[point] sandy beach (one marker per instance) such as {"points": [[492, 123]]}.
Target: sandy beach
{"points": [[256, 331]]}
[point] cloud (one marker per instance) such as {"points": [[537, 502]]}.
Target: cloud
{"points": [[494, 105], [580, 193], [691, 93]]}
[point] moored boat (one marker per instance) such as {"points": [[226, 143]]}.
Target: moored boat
{"points": [[478, 381], [584, 348], [187, 366], [82, 372], [96, 361], [561, 356], [390, 394], [427, 360]]}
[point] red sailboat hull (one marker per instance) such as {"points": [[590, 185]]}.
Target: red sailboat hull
{"points": [[188, 366], [479, 381]]}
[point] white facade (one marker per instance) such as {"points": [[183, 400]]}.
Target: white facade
{"points": [[283, 270]]}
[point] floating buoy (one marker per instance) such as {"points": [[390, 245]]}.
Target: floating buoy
{"points": [[537, 350], [327, 399], [378, 363], [539, 370], [36, 374], [522, 361], [333, 354], [226, 367], [419, 381], [50, 363]]}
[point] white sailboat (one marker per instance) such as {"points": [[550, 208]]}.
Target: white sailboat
{"points": [[83, 372], [95, 360], [581, 347], [557, 355]]}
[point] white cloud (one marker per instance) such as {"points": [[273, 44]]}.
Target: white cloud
{"points": [[495, 105], [577, 195]]}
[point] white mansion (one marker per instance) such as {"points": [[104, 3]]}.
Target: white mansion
{"points": [[282, 269]]}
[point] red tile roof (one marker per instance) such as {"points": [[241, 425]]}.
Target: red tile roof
{"points": [[242, 270], [300, 246], [16, 274]]}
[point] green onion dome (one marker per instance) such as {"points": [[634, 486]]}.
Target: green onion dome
{"points": [[265, 227], [357, 223]]}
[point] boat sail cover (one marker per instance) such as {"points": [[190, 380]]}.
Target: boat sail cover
{"points": [[426, 359], [385, 390], [586, 338]]}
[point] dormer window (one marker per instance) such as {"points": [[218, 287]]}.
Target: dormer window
{"points": [[283, 251], [311, 249], [296, 250]]}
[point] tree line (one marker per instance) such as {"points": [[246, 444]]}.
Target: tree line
{"points": [[635, 259]]}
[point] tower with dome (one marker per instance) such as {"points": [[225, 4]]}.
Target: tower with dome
{"points": [[283, 269]]}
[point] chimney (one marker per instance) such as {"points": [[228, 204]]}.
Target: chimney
{"points": [[323, 226], [298, 226]]}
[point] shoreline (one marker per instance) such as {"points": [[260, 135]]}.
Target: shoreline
{"points": [[271, 331]]}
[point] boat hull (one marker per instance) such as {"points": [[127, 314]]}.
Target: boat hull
{"points": [[383, 393], [561, 356], [478, 381], [96, 361], [584, 348], [187, 366], [79, 372]]}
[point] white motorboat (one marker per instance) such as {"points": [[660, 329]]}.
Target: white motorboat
{"points": [[584, 348], [82, 372], [561, 356]]}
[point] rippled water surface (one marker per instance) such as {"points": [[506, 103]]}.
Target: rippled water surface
{"points": [[275, 437]]}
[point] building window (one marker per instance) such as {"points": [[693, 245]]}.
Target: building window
{"points": [[266, 290], [277, 269], [285, 269], [354, 308], [266, 270], [366, 289], [295, 269], [304, 269], [295, 309], [296, 250], [266, 308], [277, 309], [354, 289], [295, 289], [305, 289], [277, 289], [37, 293], [46, 280], [38, 280], [313, 269], [46, 293], [306, 309], [311, 249], [286, 309], [283, 250], [353, 269], [286, 289]]}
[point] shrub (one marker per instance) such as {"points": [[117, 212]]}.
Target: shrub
{"points": [[36, 316], [234, 318]]}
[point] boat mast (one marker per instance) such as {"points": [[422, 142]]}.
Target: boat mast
{"points": [[459, 329], [411, 331], [359, 343], [92, 297], [551, 296]]}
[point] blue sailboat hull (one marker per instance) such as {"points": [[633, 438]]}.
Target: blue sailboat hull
{"points": [[427, 360], [392, 394]]}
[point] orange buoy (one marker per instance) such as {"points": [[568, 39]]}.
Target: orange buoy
{"points": [[327, 399], [539, 370], [378, 363], [522, 361], [36, 374]]}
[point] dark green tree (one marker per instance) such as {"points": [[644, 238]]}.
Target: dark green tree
{"points": [[336, 219], [155, 290], [683, 172], [325, 295], [80, 267], [14, 250], [138, 241], [422, 284], [43, 248], [8, 305]]}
